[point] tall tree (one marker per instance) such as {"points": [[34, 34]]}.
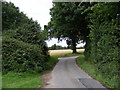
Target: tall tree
{"points": [[68, 23]]}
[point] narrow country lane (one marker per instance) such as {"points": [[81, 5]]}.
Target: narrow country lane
{"points": [[66, 74]]}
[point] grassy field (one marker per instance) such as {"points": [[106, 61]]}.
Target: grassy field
{"points": [[63, 52], [21, 80]]}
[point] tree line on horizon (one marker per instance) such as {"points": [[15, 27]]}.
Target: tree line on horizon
{"points": [[59, 47]]}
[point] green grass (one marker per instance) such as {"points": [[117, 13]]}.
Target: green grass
{"points": [[0, 80], [91, 70], [26, 80], [50, 63], [21, 80]]}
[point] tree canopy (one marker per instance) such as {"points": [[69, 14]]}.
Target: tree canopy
{"points": [[68, 23]]}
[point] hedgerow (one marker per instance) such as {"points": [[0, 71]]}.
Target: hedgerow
{"points": [[24, 48], [21, 57], [104, 38]]}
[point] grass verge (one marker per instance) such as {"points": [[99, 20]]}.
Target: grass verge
{"points": [[21, 80], [50, 63], [26, 80], [90, 68]]}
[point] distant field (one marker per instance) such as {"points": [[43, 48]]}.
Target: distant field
{"points": [[63, 52]]}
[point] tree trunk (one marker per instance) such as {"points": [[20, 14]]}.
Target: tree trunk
{"points": [[68, 46], [87, 51], [74, 45]]}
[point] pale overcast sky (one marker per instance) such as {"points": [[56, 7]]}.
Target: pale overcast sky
{"points": [[38, 10]]}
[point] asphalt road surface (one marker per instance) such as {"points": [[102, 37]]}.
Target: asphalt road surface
{"points": [[66, 74]]}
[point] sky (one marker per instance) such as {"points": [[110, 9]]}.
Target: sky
{"points": [[38, 10]]}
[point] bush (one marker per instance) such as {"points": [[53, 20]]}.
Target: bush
{"points": [[21, 57], [30, 36]]}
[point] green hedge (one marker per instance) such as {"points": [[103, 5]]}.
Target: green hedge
{"points": [[24, 48], [21, 57], [31, 36], [104, 38]]}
